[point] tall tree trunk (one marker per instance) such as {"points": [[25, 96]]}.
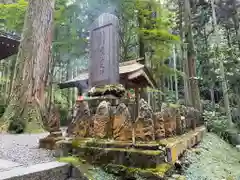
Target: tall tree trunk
{"points": [[212, 97], [2, 76], [25, 111], [221, 67], [175, 73], [236, 21], [12, 69], [195, 95], [70, 91], [187, 92], [140, 38], [184, 56], [7, 78]]}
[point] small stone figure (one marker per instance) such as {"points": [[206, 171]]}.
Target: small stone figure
{"points": [[144, 125], [122, 125]]}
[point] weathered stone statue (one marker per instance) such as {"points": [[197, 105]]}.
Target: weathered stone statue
{"points": [[144, 125], [192, 117], [159, 126], [101, 121], [179, 127], [52, 125], [81, 123], [183, 113], [169, 116], [122, 124]]}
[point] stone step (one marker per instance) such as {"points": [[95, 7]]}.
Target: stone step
{"points": [[48, 171], [7, 165]]}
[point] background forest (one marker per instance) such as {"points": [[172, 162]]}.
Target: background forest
{"points": [[191, 46]]}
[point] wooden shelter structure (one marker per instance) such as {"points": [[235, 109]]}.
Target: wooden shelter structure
{"points": [[8, 44], [132, 75]]}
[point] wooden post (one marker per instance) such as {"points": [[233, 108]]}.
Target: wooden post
{"points": [[136, 113], [137, 102], [149, 98]]}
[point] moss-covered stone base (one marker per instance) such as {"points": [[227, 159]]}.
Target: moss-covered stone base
{"points": [[127, 157], [49, 142], [83, 170], [128, 161], [123, 153]]}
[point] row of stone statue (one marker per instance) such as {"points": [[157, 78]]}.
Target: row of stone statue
{"points": [[117, 123]]}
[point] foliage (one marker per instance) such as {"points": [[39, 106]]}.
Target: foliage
{"points": [[218, 123], [2, 109], [156, 31], [13, 15], [158, 26], [17, 126]]}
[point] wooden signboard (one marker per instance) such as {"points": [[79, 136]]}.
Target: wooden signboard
{"points": [[104, 51]]}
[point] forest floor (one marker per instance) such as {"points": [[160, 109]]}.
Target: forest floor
{"points": [[212, 159]]}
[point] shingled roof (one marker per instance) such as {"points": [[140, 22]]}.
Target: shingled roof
{"points": [[8, 44], [132, 74]]}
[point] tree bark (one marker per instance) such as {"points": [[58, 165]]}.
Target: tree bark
{"points": [[222, 69], [69, 75], [25, 111], [194, 89], [183, 55], [175, 73]]}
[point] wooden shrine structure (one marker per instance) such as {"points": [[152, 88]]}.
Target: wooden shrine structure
{"points": [[8, 44], [133, 74]]}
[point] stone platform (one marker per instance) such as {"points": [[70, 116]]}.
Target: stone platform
{"points": [[49, 142], [175, 147], [139, 155]]}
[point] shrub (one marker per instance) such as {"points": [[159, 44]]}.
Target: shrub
{"points": [[218, 124]]}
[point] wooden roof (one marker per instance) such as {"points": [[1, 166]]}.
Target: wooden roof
{"points": [[132, 74], [8, 44]]}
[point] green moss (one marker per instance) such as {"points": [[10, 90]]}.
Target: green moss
{"points": [[132, 150], [70, 159], [74, 160], [92, 142], [75, 143], [33, 127], [230, 178], [160, 171], [80, 142], [114, 146], [174, 105], [81, 164]]}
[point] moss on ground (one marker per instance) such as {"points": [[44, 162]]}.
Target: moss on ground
{"points": [[159, 172]]}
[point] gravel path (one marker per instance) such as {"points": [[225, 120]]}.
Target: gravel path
{"points": [[213, 159], [24, 149]]}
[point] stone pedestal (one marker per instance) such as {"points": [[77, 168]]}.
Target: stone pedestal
{"points": [[49, 142]]}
